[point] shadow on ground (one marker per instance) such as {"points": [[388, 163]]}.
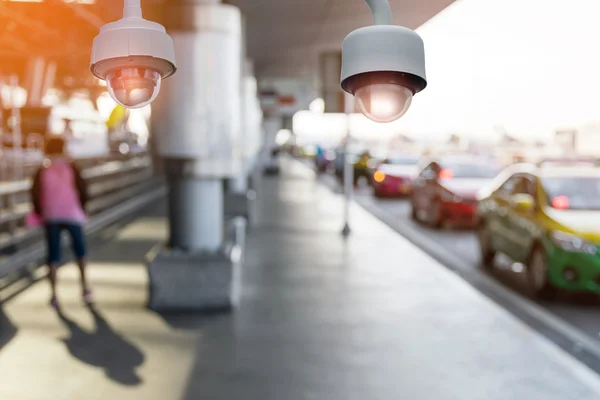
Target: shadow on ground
{"points": [[195, 320], [7, 329], [104, 348]]}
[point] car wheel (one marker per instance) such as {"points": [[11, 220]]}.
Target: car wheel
{"points": [[537, 275], [485, 245]]}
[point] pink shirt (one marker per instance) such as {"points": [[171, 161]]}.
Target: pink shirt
{"points": [[59, 196]]}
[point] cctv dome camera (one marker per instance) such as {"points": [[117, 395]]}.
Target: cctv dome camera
{"points": [[133, 56], [133, 87], [383, 66]]}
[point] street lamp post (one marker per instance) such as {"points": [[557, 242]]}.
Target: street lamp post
{"points": [[348, 168]]}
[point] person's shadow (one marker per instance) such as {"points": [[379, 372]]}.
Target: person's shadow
{"points": [[105, 349], [7, 329]]}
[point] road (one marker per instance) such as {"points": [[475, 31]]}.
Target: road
{"points": [[581, 311], [458, 249]]}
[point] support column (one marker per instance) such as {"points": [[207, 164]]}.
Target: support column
{"points": [[197, 200], [34, 80], [239, 199], [236, 184], [331, 92], [195, 209], [271, 126], [239, 184], [196, 120]]}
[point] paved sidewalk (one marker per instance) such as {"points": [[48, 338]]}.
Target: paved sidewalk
{"points": [[321, 318], [119, 351]]}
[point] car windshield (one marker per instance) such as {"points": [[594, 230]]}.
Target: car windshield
{"points": [[471, 170], [401, 161], [573, 193]]}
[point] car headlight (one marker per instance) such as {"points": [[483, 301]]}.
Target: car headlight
{"points": [[570, 242]]}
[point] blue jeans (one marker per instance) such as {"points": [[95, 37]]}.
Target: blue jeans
{"points": [[54, 242]]}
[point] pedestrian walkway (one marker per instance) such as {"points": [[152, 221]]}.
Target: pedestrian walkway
{"points": [[370, 317]]}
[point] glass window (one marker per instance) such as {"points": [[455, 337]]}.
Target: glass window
{"points": [[507, 188], [573, 193], [427, 170], [523, 185], [473, 170], [430, 172]]}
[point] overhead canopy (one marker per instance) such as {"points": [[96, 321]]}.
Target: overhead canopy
{"points": [[284, 37], [57, 30]]}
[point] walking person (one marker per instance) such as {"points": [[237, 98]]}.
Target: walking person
{"points": [[59, 197]]}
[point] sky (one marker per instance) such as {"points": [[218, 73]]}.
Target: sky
{"points": [[527, 67]]}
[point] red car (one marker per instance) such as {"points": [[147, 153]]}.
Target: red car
{"points": [[393, 177], [444, 192]]}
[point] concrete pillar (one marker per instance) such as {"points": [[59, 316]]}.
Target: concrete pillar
{"points": [[195, 209], [196, 120], [236, 183], [34, 80], [39, 77], [330, 65], [239, 184], [197, 115], [239, 201], [271, 126]]}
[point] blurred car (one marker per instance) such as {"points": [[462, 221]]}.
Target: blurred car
{"points": [[445, 190], [358, 159], [393, 177], [549, 220], [372, 166], [361, 167]]}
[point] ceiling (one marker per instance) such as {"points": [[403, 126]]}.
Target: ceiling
{"points": [[58, 31], [284, 37]]}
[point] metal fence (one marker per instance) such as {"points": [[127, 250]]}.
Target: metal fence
{"points": [[116, 188]]}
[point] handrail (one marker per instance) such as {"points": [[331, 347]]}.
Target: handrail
{"points": [[104, 170], [17, 265], [110, 185]]}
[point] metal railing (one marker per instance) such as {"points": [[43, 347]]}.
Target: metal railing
{"points": [[114, 187]]}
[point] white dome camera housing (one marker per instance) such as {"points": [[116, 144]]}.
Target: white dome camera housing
{"points": [[133, 56], [383, 66]]}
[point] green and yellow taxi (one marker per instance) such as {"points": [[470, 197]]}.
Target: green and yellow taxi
{"points": [[548, 219]]}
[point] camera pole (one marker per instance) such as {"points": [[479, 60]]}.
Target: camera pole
{"points": [[132, 8], [382, 12], [348, 169]]}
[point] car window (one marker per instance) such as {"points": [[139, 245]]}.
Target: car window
{"points": [[573, 192], [472, 170], [524, 185], [508, 187], [532, 186], [428, 172]]}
